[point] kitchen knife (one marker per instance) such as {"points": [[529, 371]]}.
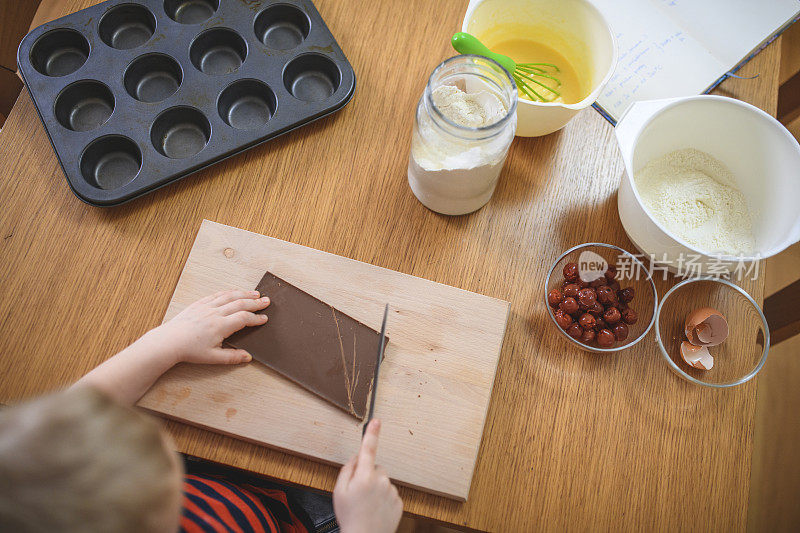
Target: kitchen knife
{"points": [[381, 348]]}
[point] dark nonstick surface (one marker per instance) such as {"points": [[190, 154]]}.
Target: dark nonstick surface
{"points": [[135, 95]]}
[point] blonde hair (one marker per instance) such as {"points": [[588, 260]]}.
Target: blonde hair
{"points": [[77, 461]]}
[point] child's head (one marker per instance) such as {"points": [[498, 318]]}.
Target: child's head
{"points": [[76, 461]]}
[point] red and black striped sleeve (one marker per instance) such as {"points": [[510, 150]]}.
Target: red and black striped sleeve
{"points": [[212, 505]]}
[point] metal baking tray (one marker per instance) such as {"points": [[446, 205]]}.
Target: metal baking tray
{"points": [[136, 95]]}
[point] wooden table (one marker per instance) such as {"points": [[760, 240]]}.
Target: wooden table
{"points": [[572, 441]]}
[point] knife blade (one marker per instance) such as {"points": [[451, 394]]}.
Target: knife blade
{"points": [[381, 348]]}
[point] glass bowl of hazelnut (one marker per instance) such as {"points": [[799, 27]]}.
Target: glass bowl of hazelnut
{"points": [[600, 297]]}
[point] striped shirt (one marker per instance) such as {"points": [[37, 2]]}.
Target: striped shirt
{"points": [[212, 504]]}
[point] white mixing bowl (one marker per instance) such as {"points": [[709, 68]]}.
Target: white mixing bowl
{"points": [[762, 155], [575, 28]]}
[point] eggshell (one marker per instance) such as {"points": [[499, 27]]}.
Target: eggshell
{"points": [[697, 356], [706, 327]]}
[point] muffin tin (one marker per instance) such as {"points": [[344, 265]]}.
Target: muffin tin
{"points": [[134, 96]]}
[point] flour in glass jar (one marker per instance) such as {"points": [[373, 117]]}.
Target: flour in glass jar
{"points": [[452, 174]]}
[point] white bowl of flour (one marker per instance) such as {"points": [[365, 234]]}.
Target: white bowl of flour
{"points": [[712, 183]]}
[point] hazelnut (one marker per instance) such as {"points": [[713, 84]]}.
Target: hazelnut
{"points": [[571, 290], [612, 315], [630, 316], [597, 309], [605, 295], [554, 297], [563, 319], [575, 331], [621, 331], [569, 305], [626, 294], [588, 336], [605, 338], [611, 273], [587, 297], [598, 282], [587, 321], [571, 271]]}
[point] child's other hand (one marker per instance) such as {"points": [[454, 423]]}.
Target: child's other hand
{"points": [[364, 499], [195, 334]]}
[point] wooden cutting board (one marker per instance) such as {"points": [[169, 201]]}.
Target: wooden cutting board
{"points": [[434, 386]]}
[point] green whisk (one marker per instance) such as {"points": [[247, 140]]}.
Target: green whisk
{"points": [[524, 74]]}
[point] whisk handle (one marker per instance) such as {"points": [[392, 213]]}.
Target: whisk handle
{"points": [[465, 43]]}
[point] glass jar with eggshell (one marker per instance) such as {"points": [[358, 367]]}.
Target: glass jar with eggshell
{"points": [[622, 286], [737, 345]]}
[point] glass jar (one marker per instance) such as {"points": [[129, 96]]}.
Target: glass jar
{"points": [[455, 161]]}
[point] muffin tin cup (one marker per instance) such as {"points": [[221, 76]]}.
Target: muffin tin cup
{"points": [[153, 77], [84, 105], [190, 11], [282, 26], [127, 26], [179, 118], [59, 52], [247, 104], [218, 51], [111, 162]]}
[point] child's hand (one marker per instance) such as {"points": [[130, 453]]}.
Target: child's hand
{"points": [[195, 334], [364, 499]]}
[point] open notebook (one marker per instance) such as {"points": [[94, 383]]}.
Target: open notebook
{"points": [[670, 48]]}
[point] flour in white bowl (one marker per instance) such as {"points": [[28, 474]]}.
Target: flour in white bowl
{"points": [[695, 197]]}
